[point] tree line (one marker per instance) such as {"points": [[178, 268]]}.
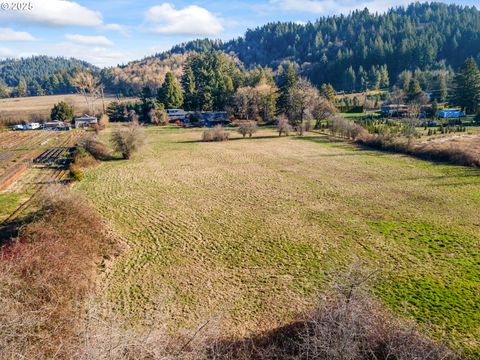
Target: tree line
{"points": [[214, 81], [355, 52], [39, 75], [362, 50]]}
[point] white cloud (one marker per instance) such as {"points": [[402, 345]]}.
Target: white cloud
{"points": [[10, 35], [56, 13], [97, 55], [191, 20], [115, 27], [336, 6], [4, 53], [98, 40]]}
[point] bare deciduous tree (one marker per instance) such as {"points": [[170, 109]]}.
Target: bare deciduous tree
{"points": [[283, 126], [322, 110], [90, 86], [247, 128], [127, 140], [158, 116]]}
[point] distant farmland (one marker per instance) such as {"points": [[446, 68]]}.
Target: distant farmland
{"points": [[250, 231], [18, 109]]}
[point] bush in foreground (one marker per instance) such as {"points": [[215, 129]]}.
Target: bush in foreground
{"points": [[217, 133], [127, 140], [341, 328], [44, 275]]}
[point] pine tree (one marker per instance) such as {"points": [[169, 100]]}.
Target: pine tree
{"points": [[170, 94], [414, 90], [189, 89], [3, 90], [287, 82], [328, 92], [62, 111], [22, 88], [435, 109], [466, 91]]}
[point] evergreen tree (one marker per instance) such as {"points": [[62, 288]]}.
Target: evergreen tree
{"points": [[170, 94], [288, 81], [328, 92], [22, 88], [116, 111], [466, 91], [3, 90], [435, 109], [189, 89], [414, 90], [209, 81], [62, 111]]}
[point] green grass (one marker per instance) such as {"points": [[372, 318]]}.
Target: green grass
{"points": [[353, 115], [250, 230], [8, 203]]}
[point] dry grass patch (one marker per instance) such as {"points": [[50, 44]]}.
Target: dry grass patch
{"points": [[44, 274], [38, 107]]}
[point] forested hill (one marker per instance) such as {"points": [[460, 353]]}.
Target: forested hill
{"points": [[350, 51], [39, 75]]}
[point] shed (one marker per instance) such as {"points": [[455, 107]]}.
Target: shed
{"points": [[451, 114], [56, 125], [85, 121]]}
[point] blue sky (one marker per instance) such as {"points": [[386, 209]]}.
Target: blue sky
{"points": [[111, 32]]}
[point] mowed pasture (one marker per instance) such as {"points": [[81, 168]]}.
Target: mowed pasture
{"points": [[247, 233]]}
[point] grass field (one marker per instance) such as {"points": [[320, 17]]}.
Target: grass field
{"points": [[251, 230], [14, 109]]}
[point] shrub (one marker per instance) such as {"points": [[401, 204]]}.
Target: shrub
{"points": [[83, 159], [346, 129], [76, 173], [44, 275], [103, 122], [247, 128], [347, 324], [283, 126], [128, 140], [158, 116], [217, 133], [445, 152], [98, 150]]}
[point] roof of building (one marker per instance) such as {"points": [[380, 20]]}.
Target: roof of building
{"points": [[86, 117]]}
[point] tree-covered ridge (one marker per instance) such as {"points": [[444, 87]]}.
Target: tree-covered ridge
{"points": [[39, 75], [350, 51]]}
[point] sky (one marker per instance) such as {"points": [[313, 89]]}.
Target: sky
{"points": [[111, 32]]}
